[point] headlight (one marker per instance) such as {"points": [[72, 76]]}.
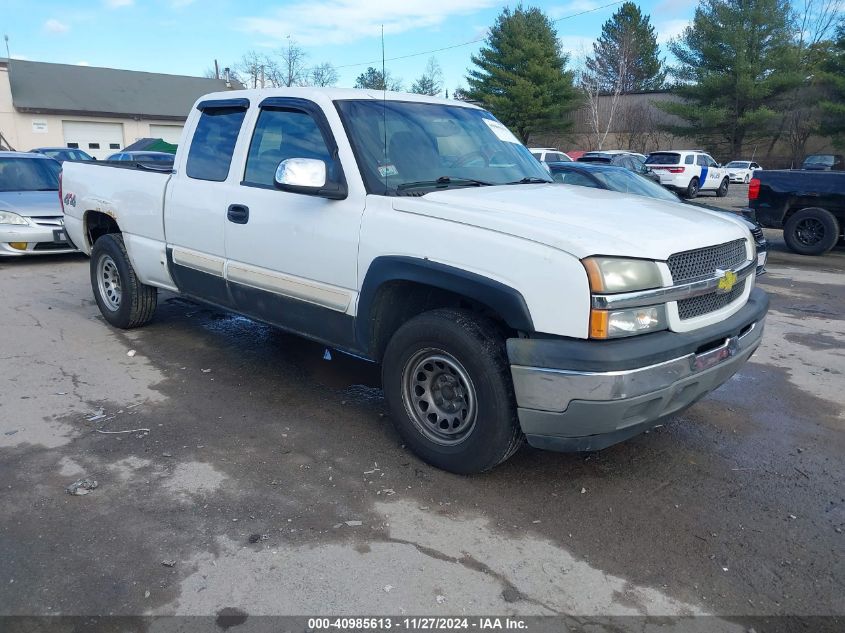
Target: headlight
{"points": [[614, 274], [7, 217], [618, 323]]}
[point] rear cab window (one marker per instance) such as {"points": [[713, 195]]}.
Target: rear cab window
{"points": [[664, 158], [213, 143]]}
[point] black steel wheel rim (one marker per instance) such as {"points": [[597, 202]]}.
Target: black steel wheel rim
{"points": [[809, 231]]}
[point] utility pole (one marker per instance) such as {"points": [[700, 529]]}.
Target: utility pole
{"points": [[8, 55]]}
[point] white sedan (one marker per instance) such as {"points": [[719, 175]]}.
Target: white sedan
{"points": [[741, 170]]}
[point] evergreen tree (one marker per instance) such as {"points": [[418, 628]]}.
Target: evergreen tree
{"points": [[834, 79], [520, 74], [626, 55], [373, 79], [735, 59]]}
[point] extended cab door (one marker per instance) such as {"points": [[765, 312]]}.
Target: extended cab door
{"points": [[292, 257], [196, 206]]}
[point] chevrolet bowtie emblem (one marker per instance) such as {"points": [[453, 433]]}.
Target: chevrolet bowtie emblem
{"points": [[727, 281]]}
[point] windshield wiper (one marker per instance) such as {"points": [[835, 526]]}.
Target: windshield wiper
{"points": [[443, 181], [529, 180]]}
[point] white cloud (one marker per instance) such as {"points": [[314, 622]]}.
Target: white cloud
{"points": [[117, 4], [178, 4], [670, 29], [54, 26], [343, 21], [82, 63]]}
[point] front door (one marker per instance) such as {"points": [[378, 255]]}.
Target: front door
{"points": [[292, 258], [196, 206]]}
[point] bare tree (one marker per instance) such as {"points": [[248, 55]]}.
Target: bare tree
{"points": [[322, 75], [292, 69], [256, 70], [594, 88], [431, 81]]}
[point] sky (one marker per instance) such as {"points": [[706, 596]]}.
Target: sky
{"points": [[186, 36]]}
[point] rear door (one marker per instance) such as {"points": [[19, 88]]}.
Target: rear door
{"points": [[196, 204], [292, 257]]}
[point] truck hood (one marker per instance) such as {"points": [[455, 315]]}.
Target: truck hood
{"points": [[31, 204], [580, 220]]}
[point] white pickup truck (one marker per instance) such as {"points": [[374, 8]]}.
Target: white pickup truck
{"points": [[420, 234]]}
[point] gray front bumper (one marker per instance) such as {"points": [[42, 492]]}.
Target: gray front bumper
{"points": [[581, 410]]}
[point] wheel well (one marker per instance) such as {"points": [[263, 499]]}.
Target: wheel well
{"points": [[396, 302], [98, 224]]}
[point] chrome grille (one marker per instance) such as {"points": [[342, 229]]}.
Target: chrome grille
{"points": [[703, 262], [704, 304]]}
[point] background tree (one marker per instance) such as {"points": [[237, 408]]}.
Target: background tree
{"points": [[322, 75], [626, 55], [291, 69], [254, 67], [431, 81], [373, 79], [735, 59], [520, 74], [833, 108]]}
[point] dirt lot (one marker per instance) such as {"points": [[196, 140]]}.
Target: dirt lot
{"points": [[262, 477]]}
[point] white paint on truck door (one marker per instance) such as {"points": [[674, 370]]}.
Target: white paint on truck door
{"points": [[99, 139]]}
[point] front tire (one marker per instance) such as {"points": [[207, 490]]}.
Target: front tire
{"points": [[722, 191], [448, 387], [811, 231], [692, 189], [124, 301], [747, 179]]}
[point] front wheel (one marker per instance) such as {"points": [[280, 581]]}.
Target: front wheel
{"points": [[447, 384], [722, 191], [747, 179], [811, 231], [123, 300]]}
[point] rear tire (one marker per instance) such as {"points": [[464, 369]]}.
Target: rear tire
{"points": [[692, 189], [811, 231], [722, 191], [124, 301], [448, 386]]}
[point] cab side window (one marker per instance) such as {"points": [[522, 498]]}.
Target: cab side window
{"points": [[689, 159], [213, 143], [281, 134]]}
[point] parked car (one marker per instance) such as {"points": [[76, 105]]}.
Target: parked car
{"points": [[31, 220], [142, 157], [549, 155], [611, 152], [741, 170], [498, 304], [809, 206], [629, 160], [615, 178], [62, 154], [689, 172], [824, 162]]}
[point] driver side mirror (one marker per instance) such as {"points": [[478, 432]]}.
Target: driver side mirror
{"points": [[308, 176]]}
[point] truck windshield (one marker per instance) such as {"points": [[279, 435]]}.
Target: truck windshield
{"points": [[405, 147], [29, 174]]}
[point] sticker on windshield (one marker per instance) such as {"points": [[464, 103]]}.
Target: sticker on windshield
{"points": [[387, 170], [501, 132]]}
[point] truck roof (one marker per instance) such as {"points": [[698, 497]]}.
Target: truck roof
{"points": [[332, 94]]}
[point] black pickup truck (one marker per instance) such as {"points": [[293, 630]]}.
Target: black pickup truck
{"points": [[808, 205]]}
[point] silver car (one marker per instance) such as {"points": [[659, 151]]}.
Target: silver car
{"points": [[31, 220]]}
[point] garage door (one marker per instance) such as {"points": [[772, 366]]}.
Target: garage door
{"points": [[98, 139], [168, 133]]}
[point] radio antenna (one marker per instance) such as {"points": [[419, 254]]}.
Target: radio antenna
{"points": [[384, 109]]}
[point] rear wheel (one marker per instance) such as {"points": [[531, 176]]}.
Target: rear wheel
{"points": [[447, 383], [692, 189], [722, 191], [811, 231], [123, 300]]}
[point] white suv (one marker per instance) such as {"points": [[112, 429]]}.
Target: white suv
{"points": [[689, 171], [549, 155]]}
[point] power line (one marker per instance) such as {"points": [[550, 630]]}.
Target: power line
{"points": [[475, 41]]}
